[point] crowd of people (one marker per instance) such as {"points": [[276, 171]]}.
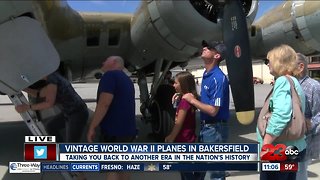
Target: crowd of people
{"points": [[116, 95]]}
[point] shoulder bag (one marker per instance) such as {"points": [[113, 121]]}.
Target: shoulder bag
{"points": [[295, 128]]}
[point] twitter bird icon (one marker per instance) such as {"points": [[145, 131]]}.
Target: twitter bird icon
{"points": [[40, 152]]}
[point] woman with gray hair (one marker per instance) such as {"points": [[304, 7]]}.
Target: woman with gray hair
{"points": [[311, 88]]}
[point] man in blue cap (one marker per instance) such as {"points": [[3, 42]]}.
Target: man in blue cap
{"points": [[214, 103]]}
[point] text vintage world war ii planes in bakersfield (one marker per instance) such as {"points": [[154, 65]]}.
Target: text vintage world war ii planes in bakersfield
{"points": [[161, 34]]}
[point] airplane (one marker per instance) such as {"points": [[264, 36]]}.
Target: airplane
{"points": [[160, 35]]}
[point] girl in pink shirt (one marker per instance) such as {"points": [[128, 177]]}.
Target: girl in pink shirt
{"points": [[185, 125]]}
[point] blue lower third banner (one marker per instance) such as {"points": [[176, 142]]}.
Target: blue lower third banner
{"points": [[96, 167], [208, 166], [178, 166], [123, 166], [92, 167], [55, 167]]}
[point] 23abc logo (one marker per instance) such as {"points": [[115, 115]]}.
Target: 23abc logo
{"points": [[280, 152]]}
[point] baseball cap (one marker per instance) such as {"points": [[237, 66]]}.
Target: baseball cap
{"points": [[219, 47]]}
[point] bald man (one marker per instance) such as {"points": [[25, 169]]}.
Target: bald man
{"points": [[115, 110]]}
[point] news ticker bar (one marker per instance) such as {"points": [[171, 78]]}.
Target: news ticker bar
{"points": [[38, 167], [290, 166]]}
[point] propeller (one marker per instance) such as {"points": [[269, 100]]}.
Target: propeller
{"points": [[208, 9], [238, 59]]}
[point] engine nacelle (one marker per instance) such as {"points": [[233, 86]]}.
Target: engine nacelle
{"points": [[295, 23], [213, 9], [173, 30]]}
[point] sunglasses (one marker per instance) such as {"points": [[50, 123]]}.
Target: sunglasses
{"points": [[266, 61]]}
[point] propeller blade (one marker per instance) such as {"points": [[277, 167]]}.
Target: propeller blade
{"points": [[238, 59]]}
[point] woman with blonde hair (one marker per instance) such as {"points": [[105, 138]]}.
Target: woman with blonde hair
{"points": [[282, 62]]}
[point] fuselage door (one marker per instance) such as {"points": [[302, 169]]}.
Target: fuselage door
{"points": [[26, 54]]}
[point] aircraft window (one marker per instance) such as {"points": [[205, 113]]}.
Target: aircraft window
{"points": [[114, 37], [93, 36]]}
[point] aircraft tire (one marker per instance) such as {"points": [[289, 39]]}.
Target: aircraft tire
{"points": [[156, 118], [162, 112], [168, 122]]}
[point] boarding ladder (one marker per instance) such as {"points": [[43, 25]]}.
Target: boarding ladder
{"points": [[36, 126]]}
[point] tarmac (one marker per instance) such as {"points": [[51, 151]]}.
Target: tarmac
{"points": [[13, 130]]}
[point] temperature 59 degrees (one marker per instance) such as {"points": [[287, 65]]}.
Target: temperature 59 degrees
{"points": [[166, 167], [292, 166]]}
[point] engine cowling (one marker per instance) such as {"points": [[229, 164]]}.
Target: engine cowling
{"points": [[213, 9], [173, 30], [295, 23]]}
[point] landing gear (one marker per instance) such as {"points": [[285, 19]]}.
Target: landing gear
{"points": [[156, 106], [162, 112], [156, 124]]}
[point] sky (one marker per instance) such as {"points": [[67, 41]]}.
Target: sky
{"points": [[117, 6], [129, 6]]}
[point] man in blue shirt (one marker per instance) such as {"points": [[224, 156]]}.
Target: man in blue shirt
{"points": [[214, 104], [115, 110]]}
